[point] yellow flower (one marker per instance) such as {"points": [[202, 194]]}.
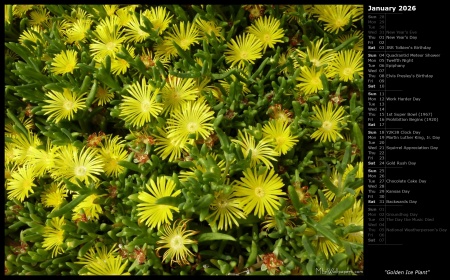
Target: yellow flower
{"points": [[194, 118], [346, 64], [103, 95], [359, 175], [21, 184], [169, 147], [97, 253], [100, 261], [10, 131], [63, 105], [278, 131], [338, 180], [108, 39], [259, 193], [261, 152], [111, 152], [89, 207], [226, 209], [39, 16], [326, 246], [62, 26], [110, 9], [309, 80], [83, 165], [109, 266], [267, 30], [203, 86], [208, 28], [133, 31], [9, 153], [54, 236], [21, 10], [165, 50], [77, 32], [159, 17], [125, 14], [353, 216], [29, 35], [358, 12], [119, 65], [318, 208], [282, 59], [183, 36], [317, 54], [150, 211], [322, 244], [75, 14], [24, 146], [246, 48], [54, 196], [9, 169], [359, 44], [43, 160], [330, 119], [176, 92], [141, 106], [335, 17], [175, 240], [65, 62]]}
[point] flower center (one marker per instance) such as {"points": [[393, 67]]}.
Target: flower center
{"points": [[174, 143], [27, 184], [254, 152], [267, 38], [156, 24], [101, 92], [280, 140], [339, 22], [327, 125], [184, 44], [315, 62], [244, 55], [70, 67], [259, 192], [113, 163], [222, 203], [145, 106], [348, 72], [192, 127], [110, 46], [68, 105], [80, 171], [281, 116], [176, 242], [315, 81], [56, 199], [176, 97]]}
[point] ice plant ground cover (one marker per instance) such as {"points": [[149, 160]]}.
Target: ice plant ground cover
{"points": [[183, 139]]}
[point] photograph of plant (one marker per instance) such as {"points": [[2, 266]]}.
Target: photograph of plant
{"points": [[183, 140]]}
